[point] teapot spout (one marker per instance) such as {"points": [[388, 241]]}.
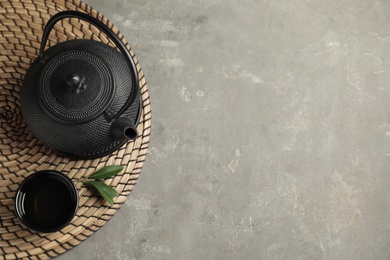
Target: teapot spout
{"points": [[123, 128]]}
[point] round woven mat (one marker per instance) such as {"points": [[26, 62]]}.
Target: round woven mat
{"points": [[21, 25]]}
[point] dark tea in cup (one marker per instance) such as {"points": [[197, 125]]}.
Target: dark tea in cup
{"points": [[46, 201]]}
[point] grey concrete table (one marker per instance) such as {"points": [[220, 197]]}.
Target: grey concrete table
{"points": [[270, 131]]}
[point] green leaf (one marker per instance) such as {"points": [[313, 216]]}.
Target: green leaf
{"points": [[107, 192], [93, 189], [106, 172]]}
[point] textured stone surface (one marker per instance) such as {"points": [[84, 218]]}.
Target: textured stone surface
{"points": [[270, 131]]}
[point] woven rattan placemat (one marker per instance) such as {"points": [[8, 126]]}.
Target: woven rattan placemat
{"points": [[21, 25]]}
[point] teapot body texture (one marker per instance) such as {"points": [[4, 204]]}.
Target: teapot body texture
{"points": [[80, 98]]}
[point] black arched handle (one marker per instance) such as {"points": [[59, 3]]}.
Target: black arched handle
{"points": [[104, 28]]}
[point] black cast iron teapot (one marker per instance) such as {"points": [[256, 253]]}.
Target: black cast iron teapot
{"points": [[81, 97]]}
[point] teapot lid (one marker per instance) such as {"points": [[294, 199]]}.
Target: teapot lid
{"points": [[75, 86]]}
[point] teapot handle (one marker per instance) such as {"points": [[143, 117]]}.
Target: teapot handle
{"points": [[104, 28]]}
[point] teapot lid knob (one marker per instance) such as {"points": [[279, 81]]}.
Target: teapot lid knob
{"points": [[73, 79], [75, 83]]}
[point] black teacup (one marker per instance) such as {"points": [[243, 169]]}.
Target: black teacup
{"points": [[46, 201]]}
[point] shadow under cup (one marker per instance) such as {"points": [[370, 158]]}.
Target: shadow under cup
{"points": [[46, 201]]}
